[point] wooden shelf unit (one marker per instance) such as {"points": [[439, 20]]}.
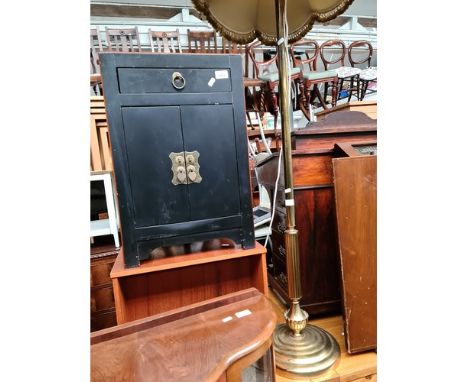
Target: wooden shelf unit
{"points": [[160, 285]]}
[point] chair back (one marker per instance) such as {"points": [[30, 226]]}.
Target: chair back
{"points": [[101, 153], [259, 66], [165, 42], [123, 40], [202, 41], [230, 47], [332, 45], [95, 48], [367, 55], [305, 53]]}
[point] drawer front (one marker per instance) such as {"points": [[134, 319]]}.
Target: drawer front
{"points": [[155, 80], [100, 272], [277, 235], [102, 298], [279, 222], [279, 271], [103, 320], [280, 203], [278, 246]]}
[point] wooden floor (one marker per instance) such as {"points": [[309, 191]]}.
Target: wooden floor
{"points": [[357, 368]]}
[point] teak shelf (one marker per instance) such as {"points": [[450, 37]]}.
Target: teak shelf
{"points": [[160, 285]]}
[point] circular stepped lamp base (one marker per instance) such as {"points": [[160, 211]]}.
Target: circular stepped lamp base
{"points": [[313, 351]]}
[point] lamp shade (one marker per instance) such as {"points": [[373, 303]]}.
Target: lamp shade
{"points": [[244, 20]]}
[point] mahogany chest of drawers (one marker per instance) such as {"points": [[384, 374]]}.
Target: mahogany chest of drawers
{"points": [[315, 208]]}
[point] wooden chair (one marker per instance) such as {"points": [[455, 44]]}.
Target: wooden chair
{"points": [[101, 155], [305, 58], [251, 93], [269, 81], [166, 42], [344, 73], [202, 41], [229, 47], [95, 47], [367, 74], [123, 40]]}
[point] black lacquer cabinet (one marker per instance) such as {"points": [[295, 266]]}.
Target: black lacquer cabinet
{"points": [[179, 147]]}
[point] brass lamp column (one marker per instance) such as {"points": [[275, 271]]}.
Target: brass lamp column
{"points": [[299, 347]]}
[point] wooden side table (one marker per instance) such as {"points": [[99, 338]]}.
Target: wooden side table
{"points": [[225, 339], [167, 283]]}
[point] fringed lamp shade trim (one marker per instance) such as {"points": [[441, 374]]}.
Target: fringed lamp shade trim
{"points": [[203, 6]]}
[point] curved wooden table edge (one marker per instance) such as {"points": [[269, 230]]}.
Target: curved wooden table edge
{"points": [[262, 340], [230, 360]]}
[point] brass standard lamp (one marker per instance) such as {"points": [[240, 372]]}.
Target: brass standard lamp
{"points": [[299, 347]]}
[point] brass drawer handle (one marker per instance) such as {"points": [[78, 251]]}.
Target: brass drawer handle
{"points": [[178, 80], [283, 278], [281, 227], [179, 173], [185, 167], [193, 167]]}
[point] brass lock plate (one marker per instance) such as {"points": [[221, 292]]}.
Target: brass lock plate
{"points": [[179, 171], [193, 167]]}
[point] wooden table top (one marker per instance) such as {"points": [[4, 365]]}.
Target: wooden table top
{"points": [[338, 122], [194, 343]]}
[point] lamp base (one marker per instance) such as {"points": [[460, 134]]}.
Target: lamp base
{"points": [[313, 351]]}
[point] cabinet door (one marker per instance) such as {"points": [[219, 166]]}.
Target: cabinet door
{"points": [[151, 134], [209, 129]]}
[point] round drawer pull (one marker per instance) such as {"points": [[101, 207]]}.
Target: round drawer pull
{"points": [[178, 81]]}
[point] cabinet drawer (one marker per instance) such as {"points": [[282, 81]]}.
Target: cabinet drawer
{"points": [[100, 272], [279, 271], [280, 203], [102, 298], [279, 222], [278, 247], [156, 80], [103, 320]]}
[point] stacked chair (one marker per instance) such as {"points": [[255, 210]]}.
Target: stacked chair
{"points": [[368, 74], [165, 42], [266, 72], [308, 82], [348, 74], [304, 55]]}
